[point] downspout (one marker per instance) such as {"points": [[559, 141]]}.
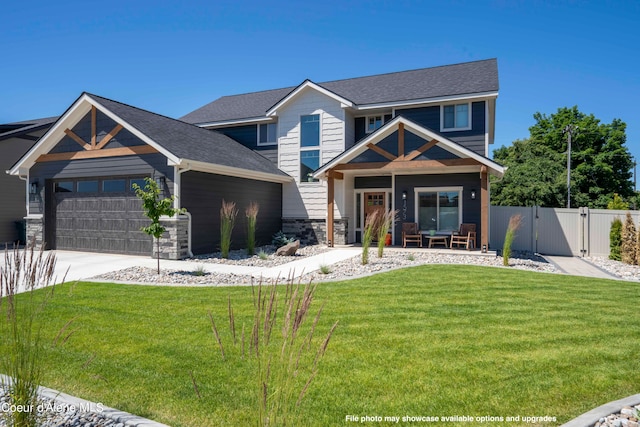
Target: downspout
{"points": [[178, 183]]}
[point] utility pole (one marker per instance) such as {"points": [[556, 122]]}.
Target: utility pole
{"points": [[569, 129]]}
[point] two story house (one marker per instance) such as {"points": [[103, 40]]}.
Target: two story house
{"points": [[317, 157], [414, 141]]}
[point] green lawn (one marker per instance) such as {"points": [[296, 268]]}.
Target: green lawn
{"points": [[426, 341]]}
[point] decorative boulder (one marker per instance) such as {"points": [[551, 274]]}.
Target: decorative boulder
{"points": [[289, 249]]}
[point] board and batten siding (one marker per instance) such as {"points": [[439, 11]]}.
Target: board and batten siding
{"points": [[202, 195], [13, 206], [247, 135], [303, 199]]}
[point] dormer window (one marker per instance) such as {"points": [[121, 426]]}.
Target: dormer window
{"points": [[268, 134], [374, 122], [455, 117]]}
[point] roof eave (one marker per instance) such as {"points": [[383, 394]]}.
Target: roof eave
{"points": [[201, 166], [308, 84]]}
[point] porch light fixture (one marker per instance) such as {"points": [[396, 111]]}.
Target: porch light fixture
{"points": [[473, 194], [33, 188], [161, 181], [404, 195]]}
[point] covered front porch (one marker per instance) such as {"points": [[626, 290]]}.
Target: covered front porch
{"points": [[428, 179]]}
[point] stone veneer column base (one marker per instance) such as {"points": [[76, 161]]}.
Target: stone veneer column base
{"points": [[174, 244], [314, 231], [35, 230]]}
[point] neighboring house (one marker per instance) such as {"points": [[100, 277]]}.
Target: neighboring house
{"points": [[318, 158], [82, 170], [15, 140], [416, 141]]}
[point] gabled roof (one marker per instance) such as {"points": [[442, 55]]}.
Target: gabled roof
{"points": [[421, 85], [421, 131], [8, 130], [182, 143]]}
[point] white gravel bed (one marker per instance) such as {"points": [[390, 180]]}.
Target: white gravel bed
{"points": [[617, 268], [268, 259], [351, 268]]}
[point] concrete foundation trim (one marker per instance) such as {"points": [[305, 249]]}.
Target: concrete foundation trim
{"points": [[114, 414], [588, 419]]}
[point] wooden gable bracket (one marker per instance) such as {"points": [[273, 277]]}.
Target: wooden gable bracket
{"points": [[417, 152], [95, 149], [93, 145]]}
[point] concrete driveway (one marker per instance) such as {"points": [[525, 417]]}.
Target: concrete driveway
{"points": [[71, 266]]}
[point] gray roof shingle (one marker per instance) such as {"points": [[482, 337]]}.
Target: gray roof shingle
{"points": [[448, 80], [190, 142]]}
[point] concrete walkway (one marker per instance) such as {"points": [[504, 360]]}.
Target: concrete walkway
{"points": [[576, 266]]}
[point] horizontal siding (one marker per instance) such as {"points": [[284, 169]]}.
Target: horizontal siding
{"points": [[308, 200], [202, 196], [429, 117]]}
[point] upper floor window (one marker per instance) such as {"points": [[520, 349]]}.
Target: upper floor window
{"points": [[309, 146], [456, 117], [374, 122], [310, 130], [268, 134]]}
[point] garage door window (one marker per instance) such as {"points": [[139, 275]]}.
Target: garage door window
{"points": [[87, 186], [140, 181], [114, 185], [64, 187]]}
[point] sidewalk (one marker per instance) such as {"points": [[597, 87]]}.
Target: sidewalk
{"points": [[576, 266]]}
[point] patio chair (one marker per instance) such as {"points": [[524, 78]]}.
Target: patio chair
{"points": [[466, 236], [410, 234]]}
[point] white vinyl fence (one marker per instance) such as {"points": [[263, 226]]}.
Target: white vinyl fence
{"points": [[557, 231]]}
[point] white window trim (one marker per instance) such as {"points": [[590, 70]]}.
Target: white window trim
{"points": [[366, 123], [454, 129], [263, 144], [315, 147], [418, 190]]}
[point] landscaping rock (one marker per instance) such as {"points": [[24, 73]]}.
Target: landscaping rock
{"points": [[289, 249]]}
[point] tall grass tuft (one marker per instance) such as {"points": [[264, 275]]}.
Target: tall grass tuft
{"points": [[370, 226], [251, 213], [286, 363], [385, 222], [228, 213], [628, 245], [514, 223], [21, 359], [615, 239]]}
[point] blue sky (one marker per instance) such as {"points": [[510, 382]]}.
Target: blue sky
{"points": [[172, 57]]}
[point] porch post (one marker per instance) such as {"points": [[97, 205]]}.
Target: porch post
{"points": [[484, 208], [330, 197]]}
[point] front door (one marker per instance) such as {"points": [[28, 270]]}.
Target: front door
{"points": [[373, 202]]}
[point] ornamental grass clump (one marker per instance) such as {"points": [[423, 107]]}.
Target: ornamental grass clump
{"points": [[385, 222], [282, 347], [370, 226], [514, 223], [615, 239], [628, 242], [228, 213], [21, 319], [251, 212]]}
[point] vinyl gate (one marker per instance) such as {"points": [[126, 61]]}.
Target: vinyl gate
{"points": [[557, 231]]}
